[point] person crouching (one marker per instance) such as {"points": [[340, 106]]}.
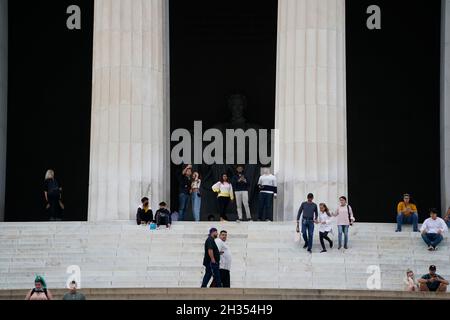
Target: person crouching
{"points": [[163, 216]]}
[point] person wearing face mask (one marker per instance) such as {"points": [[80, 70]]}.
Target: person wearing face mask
{"points": [[144, 214]]}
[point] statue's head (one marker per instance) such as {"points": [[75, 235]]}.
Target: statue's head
{"points": [[237, 103]]}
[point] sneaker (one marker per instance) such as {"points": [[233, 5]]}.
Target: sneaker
{"points": [[340, 247], [238, 220], [323, 251], [398, 230], [430, 248], [310, 251], [305, 246], [345, 247]]}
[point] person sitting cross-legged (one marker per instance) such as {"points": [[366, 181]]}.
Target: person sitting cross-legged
{"points": [[432, 230], [433, 282], [407, 213]]}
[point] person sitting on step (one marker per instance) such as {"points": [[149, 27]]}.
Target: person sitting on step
{"points": [[407, 213], [163, 216], [432, 230], [144, 214], [433, 282]]}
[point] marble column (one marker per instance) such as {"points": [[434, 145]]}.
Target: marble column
{"points": [[311, 147], [130, 114], [3, 99], [445, 106]]}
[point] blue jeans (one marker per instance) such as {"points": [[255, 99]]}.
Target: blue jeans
{"points": [[212, 271], [412, 219], [196, 205], [265, 203], [432, 239], [183, 204], [308, 232], [343, 230]]}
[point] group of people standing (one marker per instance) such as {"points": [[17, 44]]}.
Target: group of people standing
{"points": [[310, 215], [227, 190]]}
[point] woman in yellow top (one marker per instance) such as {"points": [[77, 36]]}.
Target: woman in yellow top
{"points": [[224, 189], [407, 213]]}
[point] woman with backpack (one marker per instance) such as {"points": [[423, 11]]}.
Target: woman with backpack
{"points": [[345, 219], [40, 291]]}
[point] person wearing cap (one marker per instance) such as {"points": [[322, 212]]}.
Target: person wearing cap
{"points": [[73, 294], [407, 213], [432, 230], [433, 282], [40, 291], [211, 261], [410, 281]]}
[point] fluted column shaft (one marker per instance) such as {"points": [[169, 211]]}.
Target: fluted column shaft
{"points": [[445, 106], [3, 100], [311, 148], [130, 126]]}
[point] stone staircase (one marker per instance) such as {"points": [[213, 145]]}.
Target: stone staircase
{"points": [[265, 255]]}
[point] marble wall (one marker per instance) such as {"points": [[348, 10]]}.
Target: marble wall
{"points": [[3, 99], [130, 114], [311, 152]]}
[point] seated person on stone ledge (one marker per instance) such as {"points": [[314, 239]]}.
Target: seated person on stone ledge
{"points": [[433, 282], [144, 214], [163, 217], [410, 281], [447, 217], [433, 229], [407, 213]]}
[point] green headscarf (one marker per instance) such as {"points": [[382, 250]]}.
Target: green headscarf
{"points": [[41, 280]]}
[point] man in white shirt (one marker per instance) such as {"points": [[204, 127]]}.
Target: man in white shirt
{"points": [[268, 191], [432, 230], [225, 259]]}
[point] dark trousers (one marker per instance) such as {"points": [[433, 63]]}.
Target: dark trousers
{"points": [[54, 210], [163, 221], [212, 270], [324, 236], [432, 239], [265, 204], [224, 277], [183, 203], [223, 203], [308, 232]]}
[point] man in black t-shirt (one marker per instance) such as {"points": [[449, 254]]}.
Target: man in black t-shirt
{"points": [[433, 282], [211, 261]]}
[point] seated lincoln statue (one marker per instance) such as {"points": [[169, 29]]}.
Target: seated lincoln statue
{"points": [[237, 105]]}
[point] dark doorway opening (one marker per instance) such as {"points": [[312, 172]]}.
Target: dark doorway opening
{"points": [[49, 111], [393, 89], [219, 48]]}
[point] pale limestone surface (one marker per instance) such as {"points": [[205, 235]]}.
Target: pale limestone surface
{"points": [[311, 103], [265, 255]]}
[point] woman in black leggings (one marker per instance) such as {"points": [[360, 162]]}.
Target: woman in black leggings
{"points": [[324, 226]]}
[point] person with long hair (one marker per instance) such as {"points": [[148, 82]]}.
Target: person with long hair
{"points": [[225, 195], [40, 290], [324, 226], [345, 219], [53, 195], [196, 197]]}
